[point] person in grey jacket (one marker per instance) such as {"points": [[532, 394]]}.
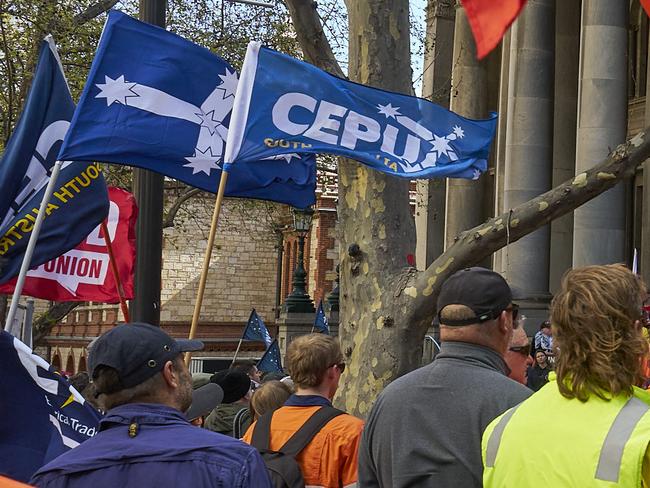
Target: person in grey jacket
{"points": [[425, 428]]}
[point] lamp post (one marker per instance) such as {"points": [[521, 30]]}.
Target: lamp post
{"points": [[299, 300]]}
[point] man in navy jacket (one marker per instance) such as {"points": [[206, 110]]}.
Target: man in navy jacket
{"points": [[145, 440]]}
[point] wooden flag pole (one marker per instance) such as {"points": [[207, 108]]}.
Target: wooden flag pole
{"points": [[116, 273], [206, 260], [236, 352]]}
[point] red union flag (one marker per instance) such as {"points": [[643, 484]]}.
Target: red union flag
{"points": [[83, 274], [489, 20]]}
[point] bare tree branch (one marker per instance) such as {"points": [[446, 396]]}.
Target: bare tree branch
{"points": [[93, 11], [168, 220], [44, 323], [480, 242], [309, 30]]}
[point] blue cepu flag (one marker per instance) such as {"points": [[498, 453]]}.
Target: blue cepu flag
{"points": [[256, 329], [80, 200], [320, 322], [285, 105], [159, 102], [41, 414], [271, 360]]}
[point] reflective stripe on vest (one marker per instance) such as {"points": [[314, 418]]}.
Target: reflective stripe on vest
{"points": [[611, 454], [609, 463], [495, 437]]}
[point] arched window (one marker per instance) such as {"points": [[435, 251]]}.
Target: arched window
{"points": [[69, 365], [82, 365], [56, 361]]}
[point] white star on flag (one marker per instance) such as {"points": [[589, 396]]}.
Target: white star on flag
{"points": [[207, 121], [388, 110], [441, 145], [229, 84], [286, 157], [202, 161], [476, 174], [460, 133], [116, 90]]}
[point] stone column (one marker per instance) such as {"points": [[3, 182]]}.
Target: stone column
{"points": [[644, 252], [599, 225], [529, 145], [500, 140], [465, 198], [567, 55], [436, 86]]}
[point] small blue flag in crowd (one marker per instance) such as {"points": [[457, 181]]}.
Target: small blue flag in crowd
{"points": [[271, 360], [41, 415], [256, 329], [320, 322], [80, 200], [285, 105], [159, 102]]}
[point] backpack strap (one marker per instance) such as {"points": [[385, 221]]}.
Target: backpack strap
{"points": [[262, 432], [238, 422], [308, 431]]}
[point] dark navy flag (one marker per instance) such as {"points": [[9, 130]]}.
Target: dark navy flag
{"points": [[256, 330], [157, 101], [320, 322], [285, 105], [271, 360], [80, 201], [41, 415]]}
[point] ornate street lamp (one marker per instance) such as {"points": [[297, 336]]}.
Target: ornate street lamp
{"points": [[299, 300]]}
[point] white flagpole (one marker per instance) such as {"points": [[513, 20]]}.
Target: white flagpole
{"points": [[27, 259]]}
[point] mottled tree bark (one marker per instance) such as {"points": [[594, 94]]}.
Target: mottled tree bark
{"points": [[386, 306]]}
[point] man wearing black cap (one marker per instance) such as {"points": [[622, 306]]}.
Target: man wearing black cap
{"points": [[232, 416], [145, 439], [425, 428]]}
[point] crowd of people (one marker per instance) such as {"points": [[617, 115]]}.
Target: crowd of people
{"points": [[467, 419]]}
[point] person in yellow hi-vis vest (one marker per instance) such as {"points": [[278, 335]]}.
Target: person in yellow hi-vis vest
{"points": [[594, 421]]}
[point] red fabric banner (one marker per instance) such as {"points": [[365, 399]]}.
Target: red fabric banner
{"points": [[489, 20], [83, 274]]}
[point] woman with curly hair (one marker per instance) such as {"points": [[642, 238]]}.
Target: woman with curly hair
{"points": [[596, 419]]}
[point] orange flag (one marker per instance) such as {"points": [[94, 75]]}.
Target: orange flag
{"points": [[489, 20]]}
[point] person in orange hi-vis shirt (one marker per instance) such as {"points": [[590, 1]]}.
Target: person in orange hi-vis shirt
{"points": [[315, 363]]}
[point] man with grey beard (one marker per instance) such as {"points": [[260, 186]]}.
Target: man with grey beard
{"points": [[145, 440]]}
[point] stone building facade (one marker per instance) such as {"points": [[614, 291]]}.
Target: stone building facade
{"points": [[569, 82]]}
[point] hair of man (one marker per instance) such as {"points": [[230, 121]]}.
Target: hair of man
{"points": [[309, 356], [494, 334], [595, 323], [248, 366], [269, 397], [111, 394]]}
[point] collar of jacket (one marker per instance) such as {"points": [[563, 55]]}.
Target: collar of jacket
{"points": [[473, 353], [141, 413], [307, 401]]}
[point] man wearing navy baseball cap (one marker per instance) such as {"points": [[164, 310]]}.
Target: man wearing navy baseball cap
{"points": [[145, 439], [425, 428]]}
